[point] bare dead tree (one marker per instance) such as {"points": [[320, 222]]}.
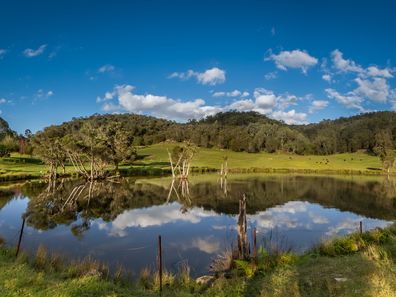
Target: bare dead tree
{"points": [[243, 245]]}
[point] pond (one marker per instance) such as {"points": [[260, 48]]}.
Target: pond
{"points": [[118, 222]]}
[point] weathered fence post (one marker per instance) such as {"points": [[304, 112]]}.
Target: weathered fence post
{"points": [[361, 227], [20, 236], [159, 262]]}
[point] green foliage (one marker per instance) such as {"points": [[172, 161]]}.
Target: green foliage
{"points": [[245, 267], [384, 148]]}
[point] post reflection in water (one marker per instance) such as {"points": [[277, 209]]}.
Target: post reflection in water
{"points": [[118, 222]]}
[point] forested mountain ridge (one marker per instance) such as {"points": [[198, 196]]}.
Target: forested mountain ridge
{"points": [[249, 131]]}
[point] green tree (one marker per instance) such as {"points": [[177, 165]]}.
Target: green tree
{"points": [[48, 146], [119, 144], [384, 149]]}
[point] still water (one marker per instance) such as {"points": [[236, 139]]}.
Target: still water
{"points": [[118, 223]]}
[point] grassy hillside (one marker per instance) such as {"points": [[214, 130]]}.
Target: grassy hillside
{"points": [[156, 157]]}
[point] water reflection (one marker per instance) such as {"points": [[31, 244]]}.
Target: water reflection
{"points": [[118, 222]]}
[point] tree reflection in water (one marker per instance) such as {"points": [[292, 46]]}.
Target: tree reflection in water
{"points": [[76, 203]]}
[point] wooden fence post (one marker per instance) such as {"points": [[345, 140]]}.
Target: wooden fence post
{"points": [[159, 262]]}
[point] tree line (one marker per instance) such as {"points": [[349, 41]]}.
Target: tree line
{"points": [[93, 142]]}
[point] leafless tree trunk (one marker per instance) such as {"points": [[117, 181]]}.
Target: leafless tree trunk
{"points": [[243, 245]]}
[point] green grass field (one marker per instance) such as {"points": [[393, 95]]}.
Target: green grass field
{"points": [[354, 266], [156, 156]]}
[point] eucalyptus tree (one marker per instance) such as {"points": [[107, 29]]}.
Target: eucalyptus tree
{"points": [[385, 150], [86, 150], [118, 144], [49, 147]]}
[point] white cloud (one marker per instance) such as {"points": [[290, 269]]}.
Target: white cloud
{"points": [[290, 117], [375, 71], [264, 98], [30, 53], [326, 77], [234, 93], [211, 76], [271, 75], [44, 94], [160, 106], [110, 107], [2, 53], [242, 105], [372, 82], [106, 68], [350, 100], [219, 94], [344, 65], [293, 59], [376, 89], [317, 105], [264, 102]]}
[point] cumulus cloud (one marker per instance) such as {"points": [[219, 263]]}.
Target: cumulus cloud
{"points": [[347, 65], [290, 117], [344, 65], [211, 76], [265, 102], [106, 68], [317, 105], [265, 99], [293, 59], [30, 53], [376, 89], [160, 106], [372, 82], [350, 100]]}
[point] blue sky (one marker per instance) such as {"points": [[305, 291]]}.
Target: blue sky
{"points": [[297, 61]]}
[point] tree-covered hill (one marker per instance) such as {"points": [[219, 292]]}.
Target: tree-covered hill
{"points": [[249, 131]]}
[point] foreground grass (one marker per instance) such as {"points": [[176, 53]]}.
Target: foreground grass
{"points": [[355, 265], [154, 161]]}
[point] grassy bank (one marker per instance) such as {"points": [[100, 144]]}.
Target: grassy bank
{"points": [[355, 265], [153, 160]]}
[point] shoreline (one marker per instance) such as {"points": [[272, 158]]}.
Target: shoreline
{"points": [[158, 172]]}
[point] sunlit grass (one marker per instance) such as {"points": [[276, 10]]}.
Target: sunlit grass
{"points": [[153, 159]]}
